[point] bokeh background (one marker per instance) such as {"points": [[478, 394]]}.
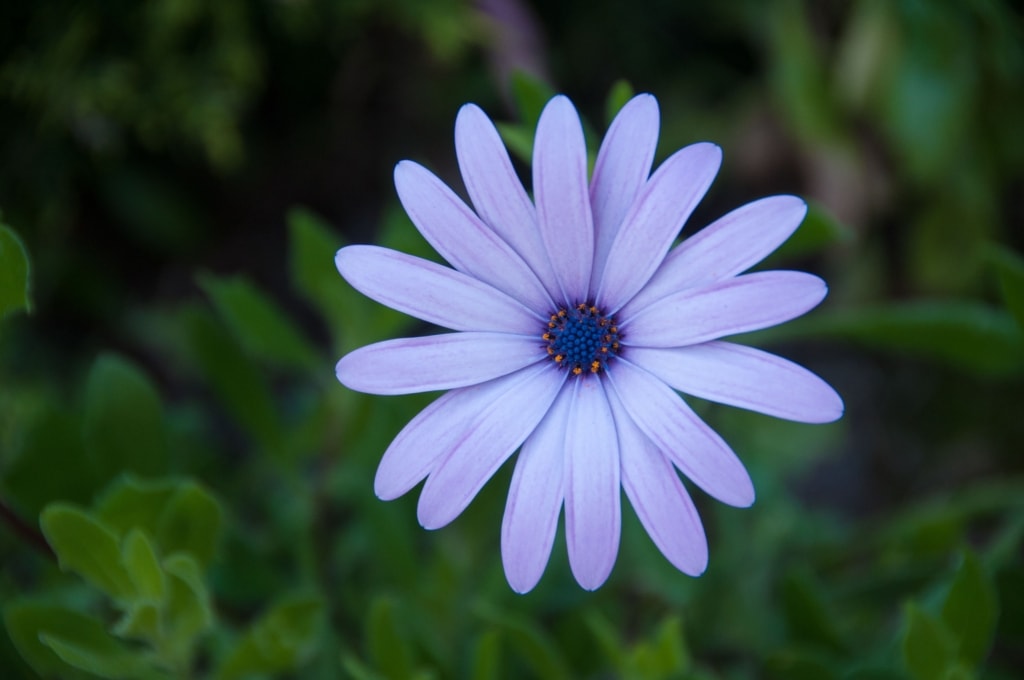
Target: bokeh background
{"points": [[179, 174]]}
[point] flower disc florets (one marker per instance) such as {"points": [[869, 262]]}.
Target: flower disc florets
{"points": [[581, 339]]}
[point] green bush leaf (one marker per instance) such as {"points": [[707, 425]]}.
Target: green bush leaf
{"points": [[1010, 269], [51, 464], [530, 95], [312, 245], [88, 548], [530, 643], [258, 324], [928, 647], [188, 613], [619, 94], [807, 616], [234, 377], [487, 656], [14, 273], [971, 610], [102, 656], [124, 420], [192, 523], [26, 620], [968, 335], [389, 645], [281, 640], [143, 566], [130, 502]]}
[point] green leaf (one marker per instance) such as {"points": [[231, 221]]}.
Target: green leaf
{"points": [[968, 335], [1010, 268], [819, 230], [389, 645], [14, 273], [928, 646], [188, 611], [88, 548], [807, 616], [191, 522], [25, 620], [129, 503], [281, 640], [971, 610], [234, 377], [140, 560], [258, 325], [487, 656], [102, 656], [530, 95], [124, 420], [619, 94], [666, 655], [530, 643], [312, 245], [51, 464], [142, 620], [518, 139]]}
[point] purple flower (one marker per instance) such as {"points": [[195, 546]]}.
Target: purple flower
{"points": [[575, 323]]}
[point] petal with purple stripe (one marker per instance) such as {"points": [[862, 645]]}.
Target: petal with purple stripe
{"points": [[469, 245], [561, 193], [657, 494], [592, 509], [745, 377], [737, 305], [535, 498], [496, 192], [728, 246], [677, 431], [651, 224], [436, 362], [484, 441], [623, 165], [432, 292]]}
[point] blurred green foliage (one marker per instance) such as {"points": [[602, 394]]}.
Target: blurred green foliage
{"points": [[187, 492]]}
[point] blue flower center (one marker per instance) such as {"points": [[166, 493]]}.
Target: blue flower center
{"points": [[581, 339]]}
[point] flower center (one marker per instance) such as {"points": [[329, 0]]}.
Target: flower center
{"points": [[582, 339]]}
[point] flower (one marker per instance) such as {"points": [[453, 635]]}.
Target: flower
{"points": [[575, 324]]}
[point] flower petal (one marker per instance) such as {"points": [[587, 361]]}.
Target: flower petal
{"points": [[592, 511], [562, 197], [469, 245], [436, 362], [623, 165], [535, 498], [728, 246], [497, 193], [432, 292], [745, 377], [675, 429], [654, 220], [659, 497], [737, 305], [485, 441]]}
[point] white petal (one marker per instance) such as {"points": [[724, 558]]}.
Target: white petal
{"points": [[432, 292], [737, 305], [746, 377], [462, 239], [728, 246], [623, 165], [535, 498], [592, 510], [653, 221], [482, 444], [436, 362], [659, 498], [562, 196], [675, 429], [497, 193]]}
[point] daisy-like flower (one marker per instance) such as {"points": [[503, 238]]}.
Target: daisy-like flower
{"points": [[576, 322]]}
